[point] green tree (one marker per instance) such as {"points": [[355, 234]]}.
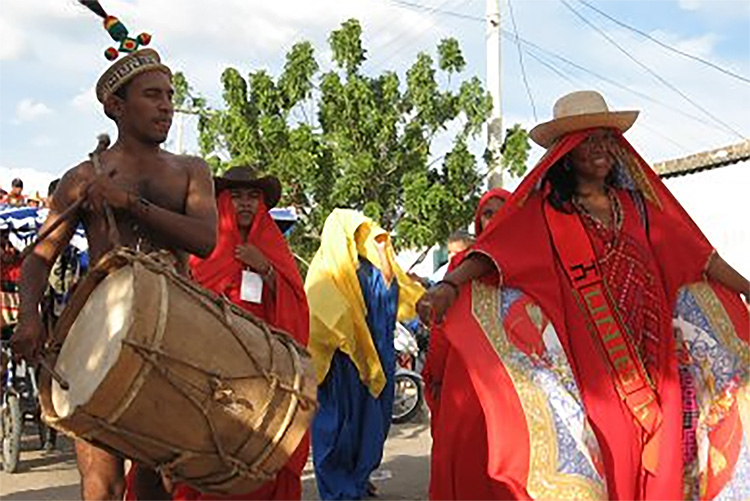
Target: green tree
{"points": [[343, 138], [515, 150]]}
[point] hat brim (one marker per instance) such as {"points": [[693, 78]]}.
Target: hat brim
{"points": [[269, 185], [545, 134]]}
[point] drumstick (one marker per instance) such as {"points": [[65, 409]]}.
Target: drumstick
{"points": [[57, 377], [64, 216]]}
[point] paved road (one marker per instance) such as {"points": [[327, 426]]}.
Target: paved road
{"points": [[403, 475]]}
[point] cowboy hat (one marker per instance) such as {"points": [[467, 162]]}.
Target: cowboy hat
{"points": [[245, 176], [580, 110]]}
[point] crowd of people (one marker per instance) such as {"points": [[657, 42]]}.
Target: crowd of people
{"points": [[15, 196], [568, 336]]}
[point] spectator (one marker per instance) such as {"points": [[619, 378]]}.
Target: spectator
{"points": [[15, 197]]}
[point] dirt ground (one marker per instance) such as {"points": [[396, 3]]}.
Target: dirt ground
{"points": [[404, 473]]}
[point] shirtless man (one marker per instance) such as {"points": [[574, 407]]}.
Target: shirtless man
{"points": [[160, 201]]}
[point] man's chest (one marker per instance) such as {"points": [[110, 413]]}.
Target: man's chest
{"points": [[166, 187]]}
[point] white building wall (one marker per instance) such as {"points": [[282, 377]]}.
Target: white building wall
{"points": [[718, 200]]}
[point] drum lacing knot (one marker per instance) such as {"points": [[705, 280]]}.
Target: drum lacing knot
{"points": [[240, 468], [167, 468], [225, 395]]}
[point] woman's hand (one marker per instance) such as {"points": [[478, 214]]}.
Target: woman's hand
{"points": [[436, 301]]}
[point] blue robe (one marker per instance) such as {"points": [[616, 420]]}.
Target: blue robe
{"points": [[351, 426]]}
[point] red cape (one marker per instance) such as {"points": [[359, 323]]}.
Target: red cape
{"points": [[286, 310], [222, 273], [459, 456], [518, 242]]}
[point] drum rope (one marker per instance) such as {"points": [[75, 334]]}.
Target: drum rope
{"points": [[290, 413], [227, 459], [221, 385], [181, 455]]}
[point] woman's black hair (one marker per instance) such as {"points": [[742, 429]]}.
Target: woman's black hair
{"points": [[563, 182]]}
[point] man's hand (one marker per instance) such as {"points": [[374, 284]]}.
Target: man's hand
{"points": [[28, 338], [103, 189], [251, 256], [435, 302]]}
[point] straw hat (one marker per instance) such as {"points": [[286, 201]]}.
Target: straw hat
{"points": [[580, 110], [245, 176]]}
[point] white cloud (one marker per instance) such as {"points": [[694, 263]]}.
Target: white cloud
{"points": [[43, 141], [29, 110], [690, 4], [33, 180], [86, 101], [14, 44], [717, 8]]}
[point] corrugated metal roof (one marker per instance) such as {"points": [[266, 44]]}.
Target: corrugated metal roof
{"points": [[705, 160]]}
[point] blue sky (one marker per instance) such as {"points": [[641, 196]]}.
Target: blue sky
{"points": [[52, 56]]}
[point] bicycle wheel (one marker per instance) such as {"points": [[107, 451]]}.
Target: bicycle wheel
{"points": [[12, 429]]}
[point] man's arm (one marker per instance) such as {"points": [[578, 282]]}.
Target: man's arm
{"points": [[193, 232], [29, 335]]}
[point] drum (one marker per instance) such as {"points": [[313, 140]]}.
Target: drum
{"points": [[170, 375]]}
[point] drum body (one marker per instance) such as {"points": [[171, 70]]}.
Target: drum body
{"points": [[175, 378]]}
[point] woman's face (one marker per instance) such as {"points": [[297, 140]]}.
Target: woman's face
{"points": [[246, 202], [489, 209], [592, 159]]}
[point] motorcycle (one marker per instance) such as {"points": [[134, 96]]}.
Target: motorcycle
{"points": [[408, 386]]}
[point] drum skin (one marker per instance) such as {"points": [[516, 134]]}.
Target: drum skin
{"points": [[201, 390]]}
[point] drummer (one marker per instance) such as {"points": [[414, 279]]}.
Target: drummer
{"points": [[160, 201]]}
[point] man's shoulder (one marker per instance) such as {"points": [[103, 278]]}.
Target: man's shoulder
{"points": [[79, 173], [190, 162]]}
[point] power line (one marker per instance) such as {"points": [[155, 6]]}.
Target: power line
{"points": [[413, 36], [652, 72], [608, 80], [576, 84], [520, 61], [436, 10], [664, 45], [382, 60], [555, 55]]}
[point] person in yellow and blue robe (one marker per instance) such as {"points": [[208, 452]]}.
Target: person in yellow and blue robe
{"points": [[356, 292]]}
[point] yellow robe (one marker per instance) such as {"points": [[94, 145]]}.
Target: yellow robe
{"points": [[337, 308]]}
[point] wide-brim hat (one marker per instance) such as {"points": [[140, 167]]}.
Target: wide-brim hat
{"points": [[580, 110], [127, 68], [245, 176]]}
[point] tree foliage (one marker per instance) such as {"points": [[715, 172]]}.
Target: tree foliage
{"points": [[343, 138], [515, 150]]}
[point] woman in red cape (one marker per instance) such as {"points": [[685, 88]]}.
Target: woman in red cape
{"points": [[651, 328], [250, 240], [459, 442]]}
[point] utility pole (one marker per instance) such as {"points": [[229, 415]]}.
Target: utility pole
{"points": [[494, 68]]}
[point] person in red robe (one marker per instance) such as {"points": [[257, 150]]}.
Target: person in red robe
{"points": [[458, 467], [250, 242], [614, 324]]}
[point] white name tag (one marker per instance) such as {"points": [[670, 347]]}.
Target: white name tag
{"points": [[252, 287]]}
